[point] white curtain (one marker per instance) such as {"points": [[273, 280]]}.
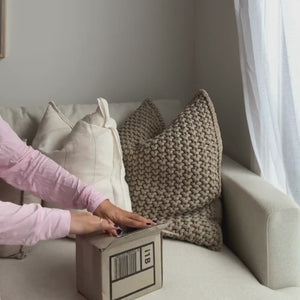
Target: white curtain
{"points": [[269, 40]]}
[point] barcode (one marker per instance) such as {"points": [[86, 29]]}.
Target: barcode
{"points": [[126, 264]]}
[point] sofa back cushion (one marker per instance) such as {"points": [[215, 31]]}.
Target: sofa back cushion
{"points": [[25, 122]]}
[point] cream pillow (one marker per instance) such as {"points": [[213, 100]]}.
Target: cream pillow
{"points": [[89, 149]]}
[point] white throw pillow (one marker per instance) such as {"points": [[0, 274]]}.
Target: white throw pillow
{"points": [[89, 149]]}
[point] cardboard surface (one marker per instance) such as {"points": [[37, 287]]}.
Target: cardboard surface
{"points": [[124, 267]]}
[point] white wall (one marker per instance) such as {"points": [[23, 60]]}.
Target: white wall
{"points": [[218, 71], [73, 51]]}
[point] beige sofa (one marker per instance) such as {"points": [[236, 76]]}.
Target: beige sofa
{"points": [[260, 258]]}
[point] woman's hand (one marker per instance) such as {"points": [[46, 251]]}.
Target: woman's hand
{"points": [[122, 217], [82, 223]]}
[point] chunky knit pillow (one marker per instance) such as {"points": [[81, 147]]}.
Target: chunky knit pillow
{"points": [[174, 173]]}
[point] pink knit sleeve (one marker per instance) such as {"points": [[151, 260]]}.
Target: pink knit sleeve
{"points": [[30, 223], [28, 169]]}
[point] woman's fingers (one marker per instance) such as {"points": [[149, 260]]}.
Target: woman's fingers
{"points": [[134, 220], [141, 219], [122, 217], [83, 223], [135, 224]]}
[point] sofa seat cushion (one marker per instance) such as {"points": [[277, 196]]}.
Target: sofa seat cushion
{"points": [[190, 272]]}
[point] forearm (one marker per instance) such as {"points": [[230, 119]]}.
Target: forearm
{"points": [[44, 178], [30, 223], [30, 170]]}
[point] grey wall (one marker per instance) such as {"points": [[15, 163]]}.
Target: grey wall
{"points": [[218, 71], [73, 51]]}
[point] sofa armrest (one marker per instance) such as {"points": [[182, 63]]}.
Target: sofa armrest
{"points": [[261, 226]]}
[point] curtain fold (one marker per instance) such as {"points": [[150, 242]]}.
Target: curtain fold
{"points": [[269, 42]]}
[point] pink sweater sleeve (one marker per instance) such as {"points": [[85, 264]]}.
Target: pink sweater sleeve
{"points": [[30, 223], [28, 169]]}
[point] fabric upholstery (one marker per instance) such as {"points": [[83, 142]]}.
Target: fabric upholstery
{"points": [[262, 226], [189, 272], [25, 120], [174, 173]]}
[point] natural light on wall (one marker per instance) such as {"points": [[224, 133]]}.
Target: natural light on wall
{"points": [[269, 40]]}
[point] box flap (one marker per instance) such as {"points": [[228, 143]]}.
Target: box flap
{"points": [[138, 233], [103, 241], [98, 239]]}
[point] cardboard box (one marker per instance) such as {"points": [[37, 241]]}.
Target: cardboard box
{"points": [[124, 267]]}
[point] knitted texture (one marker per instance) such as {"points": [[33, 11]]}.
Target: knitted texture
{"points": [[174, 173]]}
